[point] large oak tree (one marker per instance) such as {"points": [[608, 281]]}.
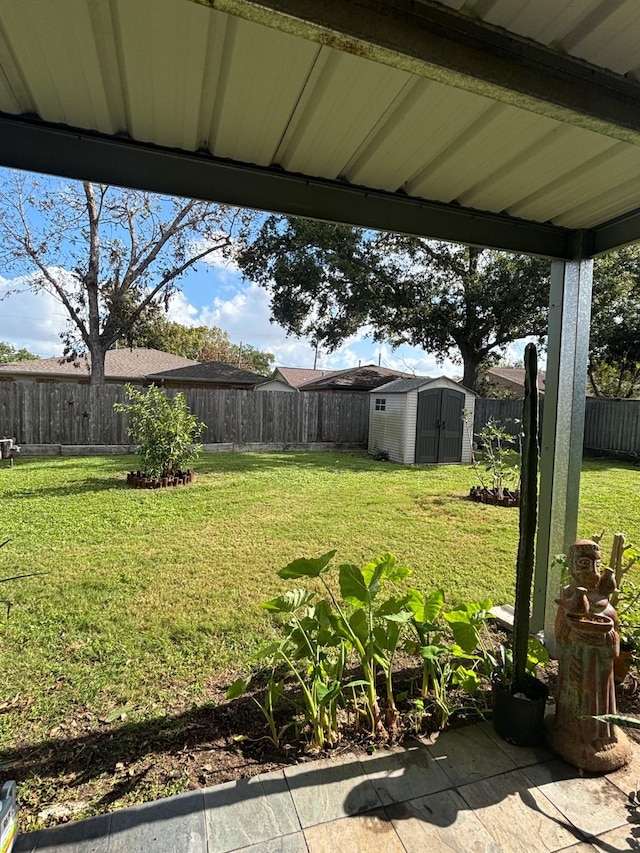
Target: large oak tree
{"points": [[110, 256], [327, 281], [202, 343], [614, 348]]}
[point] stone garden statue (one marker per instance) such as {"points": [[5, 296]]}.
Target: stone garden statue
{"points": [[587, 640]]}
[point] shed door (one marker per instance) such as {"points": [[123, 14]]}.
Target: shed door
{"points": [[451, 426], [428, 425], [439, 426]]}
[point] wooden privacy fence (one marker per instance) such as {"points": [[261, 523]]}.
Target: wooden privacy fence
{"points": [[609, 425], [66, 413]]}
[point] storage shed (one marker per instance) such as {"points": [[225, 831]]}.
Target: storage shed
{"points": [[420, 420]]}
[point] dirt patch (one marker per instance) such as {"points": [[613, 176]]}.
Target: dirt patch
{"points": [[89, 766]]}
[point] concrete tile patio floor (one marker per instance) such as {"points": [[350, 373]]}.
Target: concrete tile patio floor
{"points": [[466, 791]]}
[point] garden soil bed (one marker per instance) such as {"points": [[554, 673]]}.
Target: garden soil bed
{"points": [[136, 480], [90, 766], [483, 495]]}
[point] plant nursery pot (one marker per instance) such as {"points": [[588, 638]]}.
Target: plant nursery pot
{"points": [[520, 720]]}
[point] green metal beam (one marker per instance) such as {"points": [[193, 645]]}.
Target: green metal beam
{"points": [[72, 153]]}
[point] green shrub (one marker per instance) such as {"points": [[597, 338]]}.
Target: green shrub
{"points": [[166, 432]]}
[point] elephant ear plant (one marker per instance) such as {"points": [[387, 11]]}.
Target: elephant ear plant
{"points": [[519, 704]]}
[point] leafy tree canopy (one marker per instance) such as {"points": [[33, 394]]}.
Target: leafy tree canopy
{"points": [[202, 343], [327, 281], [8, 354], [614, 347], [112, 257]]}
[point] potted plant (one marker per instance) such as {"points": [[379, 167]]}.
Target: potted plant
{"points": [[519, 699]]}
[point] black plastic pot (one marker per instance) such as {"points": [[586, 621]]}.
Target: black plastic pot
{"points": [[517, 719]]}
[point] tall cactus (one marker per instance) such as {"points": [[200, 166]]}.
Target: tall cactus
{"points": [[528, 520]]}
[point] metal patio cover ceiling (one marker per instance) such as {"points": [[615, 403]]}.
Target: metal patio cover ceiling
{"points": [[509, 123]]}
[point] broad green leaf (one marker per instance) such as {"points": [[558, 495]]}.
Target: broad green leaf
{"points": [[464, 632], [425, 609], [415, 603], [537, 654], [338, 625], [239, 686], [398, 573], [323, 613], [387, 636], [457, 651], [359, 625], [401, 617], [266, 651], [374, 572], [395, 608], [289, 602], [325, 692], [466, 678], [306, 567], [353, 587], [432, 652]]}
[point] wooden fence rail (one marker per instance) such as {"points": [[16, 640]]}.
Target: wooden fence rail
{"points": [[610, 425], [40, 413], [64, 413]]}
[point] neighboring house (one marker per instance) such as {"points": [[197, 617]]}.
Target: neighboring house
{"points": [[510, 380], [121, 365], [422, 420], [355, 379], [209, 374], [291, 378]]}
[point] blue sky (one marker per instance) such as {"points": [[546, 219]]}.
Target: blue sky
{"points": [[217, 295]]}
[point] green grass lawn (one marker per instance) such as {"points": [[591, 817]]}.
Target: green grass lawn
{"points": [[150, 597]]}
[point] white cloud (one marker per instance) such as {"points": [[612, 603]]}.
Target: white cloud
{"points": [[181, 311], [245, 317], [30, 320]]}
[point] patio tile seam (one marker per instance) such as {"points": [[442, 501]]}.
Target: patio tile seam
{"points": [[579, 834], [588, 836]]}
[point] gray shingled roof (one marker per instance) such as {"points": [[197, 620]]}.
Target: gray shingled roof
{"points": [[355, 379], [211, 371], [297, 376], [119, 364], [399, 386], [512, 378]]}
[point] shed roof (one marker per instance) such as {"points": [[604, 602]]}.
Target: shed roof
{"points": [[510, 123], [402, 386]]}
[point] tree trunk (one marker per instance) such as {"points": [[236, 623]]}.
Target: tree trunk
{"points": [[96, 381], [471, 363], [97, 365]]}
